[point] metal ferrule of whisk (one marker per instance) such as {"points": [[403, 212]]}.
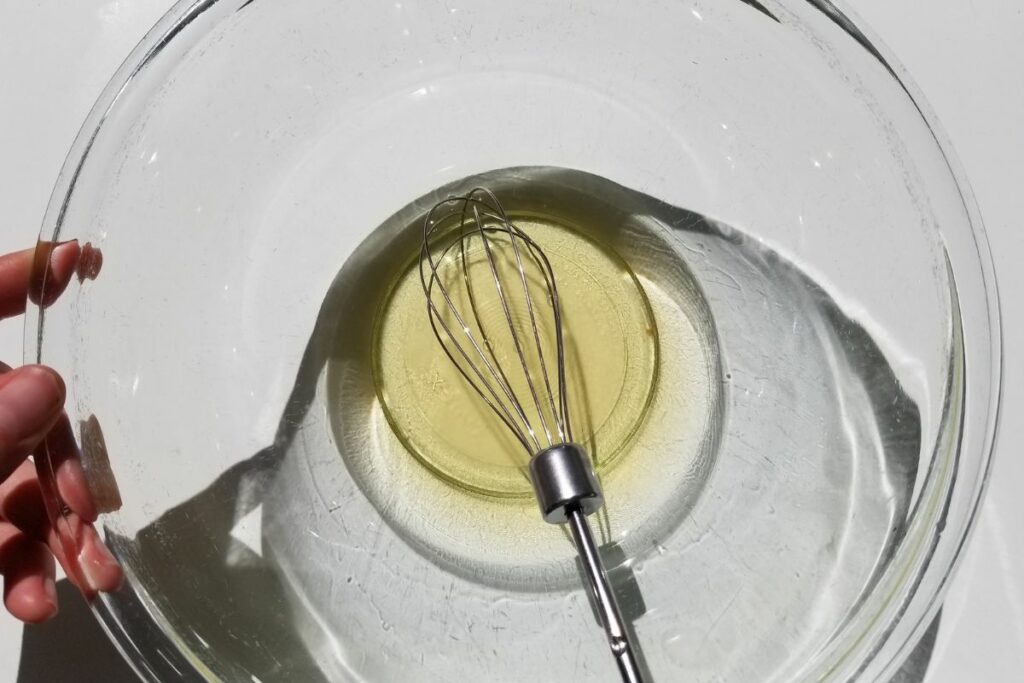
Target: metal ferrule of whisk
{"points": [[564, 480], [517, 367]]}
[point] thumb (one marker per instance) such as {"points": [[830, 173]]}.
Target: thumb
{"points": [[31, 400]]}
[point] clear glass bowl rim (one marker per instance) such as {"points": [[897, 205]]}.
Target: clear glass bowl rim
{"points": [[875, 655]]}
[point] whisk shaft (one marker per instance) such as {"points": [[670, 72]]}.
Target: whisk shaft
{"points": [[604, 598]]}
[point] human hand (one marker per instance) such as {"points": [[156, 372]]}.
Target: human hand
{"points": [[31, 409]]}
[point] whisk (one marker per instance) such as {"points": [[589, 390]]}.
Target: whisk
{"points": [[512, 370]]}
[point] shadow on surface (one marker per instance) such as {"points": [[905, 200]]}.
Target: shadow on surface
{"points": [[71, 647], [916, 666]]}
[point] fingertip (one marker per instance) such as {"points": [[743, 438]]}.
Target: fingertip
{"points": [[87, 562], [30, 593], [63, 261], [49, 282], [31, 401], [74, 490], [99, 569], [32, 601], [43, 373]]}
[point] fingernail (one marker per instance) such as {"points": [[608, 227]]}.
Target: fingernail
{"points": [[30, 401], [62, 266], [90, 571], [57, 246], [96, 564]]}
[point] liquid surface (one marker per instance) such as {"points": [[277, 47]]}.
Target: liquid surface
{"points": [[610, 346], [448, 476]]}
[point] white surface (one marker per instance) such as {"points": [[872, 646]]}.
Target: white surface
{"points": [[968, 59]]}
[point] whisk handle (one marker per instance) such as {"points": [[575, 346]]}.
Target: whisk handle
{"points": [[618, 637]]}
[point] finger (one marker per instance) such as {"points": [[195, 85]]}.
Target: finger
{"points": [[31, 400], [21, 502], [86, 560], [98, 567], [89, 564], [64, 458], [40, 274], [15, 274], [30, 593]]}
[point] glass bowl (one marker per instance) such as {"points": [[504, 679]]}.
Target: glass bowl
{"points": [[793, 455]]}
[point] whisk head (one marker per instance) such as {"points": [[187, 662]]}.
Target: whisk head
{"points": [[476, 266]]}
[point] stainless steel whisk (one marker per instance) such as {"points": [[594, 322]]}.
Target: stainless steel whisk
{"points": [[536, 407]]}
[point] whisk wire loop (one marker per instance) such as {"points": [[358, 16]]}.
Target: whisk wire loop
{"points": [[476, 221]]}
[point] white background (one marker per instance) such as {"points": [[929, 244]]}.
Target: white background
{"points": [[967, 56]]}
